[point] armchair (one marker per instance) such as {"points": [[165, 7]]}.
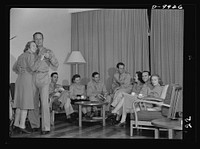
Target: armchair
{"points": [[142, 119], [54, 106]]}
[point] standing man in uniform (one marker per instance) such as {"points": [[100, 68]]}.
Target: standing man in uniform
{"points": [[41, 80]]}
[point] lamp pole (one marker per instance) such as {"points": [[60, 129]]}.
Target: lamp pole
{"points": [[76, 68]]}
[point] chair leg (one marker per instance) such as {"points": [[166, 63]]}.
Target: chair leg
{"points": [[138, 131], [170, 134], [131, 129], [52, 117], [156, 133]]}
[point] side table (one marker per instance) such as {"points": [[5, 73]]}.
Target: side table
{"points": [[91, 103], [167, 123]]}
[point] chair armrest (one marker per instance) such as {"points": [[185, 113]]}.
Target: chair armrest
{"points": [[152, 102], [152, 99], [137, 101]]}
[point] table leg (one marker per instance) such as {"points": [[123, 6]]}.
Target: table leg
{"points": [[80, 115], [104, 122], [170, 133]]}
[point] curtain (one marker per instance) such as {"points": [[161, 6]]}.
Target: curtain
{"points": [[166, 42], [106, 37], [166, 45]]}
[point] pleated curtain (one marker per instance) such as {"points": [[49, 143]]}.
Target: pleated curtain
{"points": [[106, 37]]}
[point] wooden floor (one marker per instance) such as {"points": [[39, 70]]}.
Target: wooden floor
{"points": [[64, 129]]}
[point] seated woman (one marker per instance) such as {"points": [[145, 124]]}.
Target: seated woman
{"points": [[156, 91], [77, 90], [138, 84]]}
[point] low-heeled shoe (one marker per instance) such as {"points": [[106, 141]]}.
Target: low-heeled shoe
{"points": [[123, 124]]}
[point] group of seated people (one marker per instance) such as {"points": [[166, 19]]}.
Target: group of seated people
{"points": [[118, 106], [62, 99]]}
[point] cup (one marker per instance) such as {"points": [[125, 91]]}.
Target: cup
{"points": [[133, 93], [140, 95]]}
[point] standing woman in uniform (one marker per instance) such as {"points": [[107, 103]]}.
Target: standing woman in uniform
{"points": [[24, 88]]}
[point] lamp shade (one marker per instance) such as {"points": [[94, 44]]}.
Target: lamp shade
{"points": [[76, 57]]}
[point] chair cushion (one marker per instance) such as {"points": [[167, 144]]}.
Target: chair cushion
{"points": [[164, 92], [147, 115], [164, 110]]}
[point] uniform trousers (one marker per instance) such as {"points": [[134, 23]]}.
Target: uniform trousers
{"points": [[41, 102]]}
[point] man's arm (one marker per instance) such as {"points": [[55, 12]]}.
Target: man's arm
{"points": [[15, 68], [53, 60], [126, 81], [105, 92], [90, 91], [33, 62]]}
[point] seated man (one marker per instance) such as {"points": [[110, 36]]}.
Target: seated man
{"points": [[59, 96], [121, 83], [96, 91]]}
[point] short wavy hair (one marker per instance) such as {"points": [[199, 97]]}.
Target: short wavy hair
{"points": [[28, 45], [94, 74], [53, 73], [75, 76], [139, 74], [120, 63], [159, 79], [38, 33]]}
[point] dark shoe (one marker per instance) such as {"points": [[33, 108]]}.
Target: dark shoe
{"points": [[45, 132], [112, 108], [69, 120], [24, 130], [111, 116], [15, 129], [35, 129], [116, 122], [87, 117], [123, 124], [96, 113], [74, 116]]}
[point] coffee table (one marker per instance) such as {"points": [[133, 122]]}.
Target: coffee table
{"points": [[91, 103]]}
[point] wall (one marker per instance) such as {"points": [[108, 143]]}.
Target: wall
{"points": [[55, 24]]}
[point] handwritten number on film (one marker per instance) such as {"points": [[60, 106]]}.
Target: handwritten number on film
{"points": [[188, 122], [167, 7]]}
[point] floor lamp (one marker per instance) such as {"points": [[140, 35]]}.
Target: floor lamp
{"points": [[76, 58]]}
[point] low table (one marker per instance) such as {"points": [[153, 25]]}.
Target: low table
{"points": [[168, 124], [91, 103]]}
